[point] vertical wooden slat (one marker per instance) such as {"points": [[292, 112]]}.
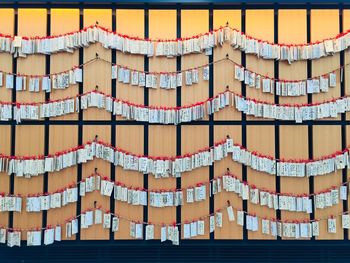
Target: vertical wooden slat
{"points": [[63, 21], [59, 141], [294, 145], [136, 28], [222, 78], [260, 23], [31, 22], [104, 134], [230, 230], [293, 139], [196, 92], [129, 138], [162, 139], [321, 145], [223, 70], [30, 139], [194, 137], [100, 72], [261, 138]]}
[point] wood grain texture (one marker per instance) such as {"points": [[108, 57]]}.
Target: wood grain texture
{"points": [[327, 139], [29, 141], [162, 24], [129, 138], [229, 230], [260, 24], [162, 142], [330, 28], [103, 167], [292, 33], [136, 28], [162, 139], [58, 141], [192, 139], [261, 139], [321, 145], [223, 71], [200, 91], [294, 145], [31, 22], [100, 73], [62, 21], [293, 140]]}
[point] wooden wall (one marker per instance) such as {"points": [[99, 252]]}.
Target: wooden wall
{"points": [[291, 141]]}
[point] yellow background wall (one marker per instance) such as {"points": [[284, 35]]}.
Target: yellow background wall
{"points": [[293, 139]]}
